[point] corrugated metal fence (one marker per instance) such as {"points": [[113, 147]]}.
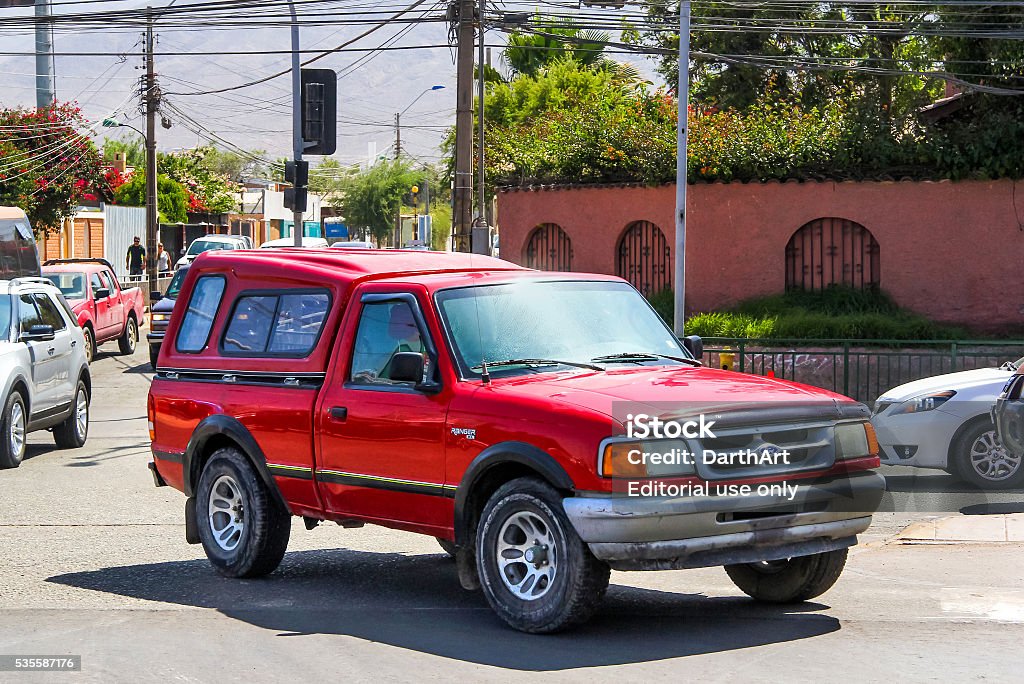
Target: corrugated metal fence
{"points": [[122, 226]]}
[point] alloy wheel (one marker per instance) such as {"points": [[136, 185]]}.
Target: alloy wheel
{"points": [[226, 513], [991, 460], [81, 414], [527, 555], [16, 434]]}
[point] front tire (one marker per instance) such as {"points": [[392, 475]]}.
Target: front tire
{"points": [[978, 458], [789, 581], [13, 426], [243, 528], [129, 339], [72, 433], [535, 571], [90, 344]]}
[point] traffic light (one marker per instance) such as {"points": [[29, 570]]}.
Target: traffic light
{"points": [[415, 195], [319, 98], [296, 173]]}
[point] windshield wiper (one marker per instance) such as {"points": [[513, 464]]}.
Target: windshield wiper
{"points": [[538, 362], [644, 356]]}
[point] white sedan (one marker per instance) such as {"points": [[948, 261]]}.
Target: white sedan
{"points": [[943, 422]]}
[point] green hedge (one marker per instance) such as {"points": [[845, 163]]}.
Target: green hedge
{"points": [[835, 313]]}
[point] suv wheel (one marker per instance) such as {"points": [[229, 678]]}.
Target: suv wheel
{"points": [[244, 530], [129, 338], [535, 571], [980, 459], [90, 344], [14, 423], [791, 580], [72, 433]]}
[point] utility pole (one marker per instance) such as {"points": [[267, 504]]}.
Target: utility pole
{"points": [[298, 143], [683, 95], [152, 100], [481, 243], [398, 135], [45, 91], [463, 191]]}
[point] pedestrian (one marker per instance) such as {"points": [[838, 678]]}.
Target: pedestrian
{"points": [[135, 259], [163, 259]]}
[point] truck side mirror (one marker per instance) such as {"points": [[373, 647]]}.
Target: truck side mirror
{"points": [[101, 293], [155, 295], [407, 367], [38, 333], [694, 345]]}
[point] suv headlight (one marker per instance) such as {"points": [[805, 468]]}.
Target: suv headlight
{"points": [[633, 458], [855, 440], [925, 402]]}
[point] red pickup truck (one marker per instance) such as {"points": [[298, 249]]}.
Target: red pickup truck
{"points": [[105, 311], [544, 427]]}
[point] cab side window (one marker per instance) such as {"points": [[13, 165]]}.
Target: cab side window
{"points": [[48, 312], [385, 329], [111, 280], [28, 315], [202, 310], [96, 283]]}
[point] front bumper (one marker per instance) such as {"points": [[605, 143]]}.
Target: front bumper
{"points": [[155, 338], [916, 439], [658, 533]]}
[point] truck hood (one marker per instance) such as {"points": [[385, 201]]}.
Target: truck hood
{"points": [[960, 382], [661, 390]]}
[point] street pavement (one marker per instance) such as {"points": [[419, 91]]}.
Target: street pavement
{"points": [[95, 563]]}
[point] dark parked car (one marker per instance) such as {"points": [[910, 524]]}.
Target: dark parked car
{"points": [[1008, 415], [160, 308]]}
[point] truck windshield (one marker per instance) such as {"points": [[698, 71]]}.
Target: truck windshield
{"points": [[71, 285], [576, 322], [175, 287], [200, 246]]}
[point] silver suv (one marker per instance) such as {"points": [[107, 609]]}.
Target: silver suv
{"points": [[44, 374]]}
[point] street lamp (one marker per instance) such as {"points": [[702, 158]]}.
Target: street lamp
{"points": [[111, 123], [398, 117]]}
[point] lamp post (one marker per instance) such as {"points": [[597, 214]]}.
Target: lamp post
{"points": [[398, 117]]}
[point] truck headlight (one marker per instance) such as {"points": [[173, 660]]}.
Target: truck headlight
{"points": [[160, 317], [632, 459], [855, 440], [925, 402]]}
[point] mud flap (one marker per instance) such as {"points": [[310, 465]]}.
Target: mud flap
{"points": [[465, 562], [191, 529]]}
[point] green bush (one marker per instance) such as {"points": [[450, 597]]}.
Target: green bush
{"points": [[834, 313]]}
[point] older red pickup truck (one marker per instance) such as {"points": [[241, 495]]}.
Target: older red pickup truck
{"points": [[105, 311], [544, 427]]}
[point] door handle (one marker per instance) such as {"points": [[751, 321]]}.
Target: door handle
{"points": [[50, 351], [74, 343], [338, 412]]}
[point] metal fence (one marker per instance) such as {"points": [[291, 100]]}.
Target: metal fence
{"points": [[862, 369]]}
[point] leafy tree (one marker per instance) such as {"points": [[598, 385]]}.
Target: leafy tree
{"points": [[237, 166], [134, 151], [373, 197], [329, 178], [210, 190], [527, 54], [47, 166], [172, 198]]}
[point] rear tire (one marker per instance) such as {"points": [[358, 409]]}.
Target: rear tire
{"points": [[535, 571], [448, 546], [243, 528], [72, 433], [129, 339], [979, 459], [789, 581], [13, 430]]}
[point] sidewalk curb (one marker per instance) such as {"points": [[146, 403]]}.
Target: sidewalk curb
{"points": [[1002, 528]]}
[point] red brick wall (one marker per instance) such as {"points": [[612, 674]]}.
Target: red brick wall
{"points": [[951, 251]]}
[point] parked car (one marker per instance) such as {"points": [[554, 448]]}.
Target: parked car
{"points": [[289, 242], [1008, 417], [104, 310], [46, 382], [945, 422], [18, 254], [209, 243], [472, 400], [355, 244], [160, 308]]}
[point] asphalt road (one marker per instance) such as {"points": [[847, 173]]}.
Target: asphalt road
{"points": [[95, 563]]}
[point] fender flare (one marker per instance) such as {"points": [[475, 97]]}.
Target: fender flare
{"points": [[15, 379], [221, 425], [519, 453]]}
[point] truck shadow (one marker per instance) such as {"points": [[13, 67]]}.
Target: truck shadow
{"points": [[415, 602]]}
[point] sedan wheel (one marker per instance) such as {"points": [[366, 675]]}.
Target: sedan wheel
{"points": [[991, 460], [980, 458]]}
